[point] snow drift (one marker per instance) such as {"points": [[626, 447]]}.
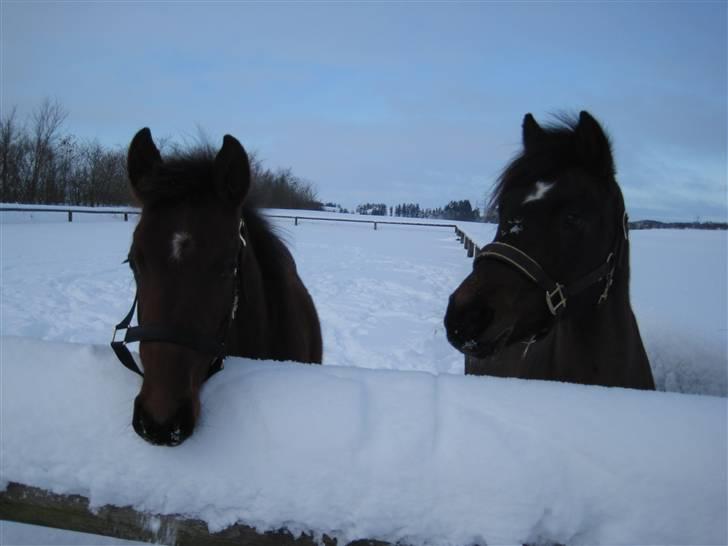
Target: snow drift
{"points": [[389, 455]]}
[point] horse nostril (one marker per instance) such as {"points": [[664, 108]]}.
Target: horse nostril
{"points": [[466, 325], [172, 432]]}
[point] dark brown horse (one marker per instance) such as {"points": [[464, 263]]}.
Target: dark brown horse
{"points": [[549, 297], [212, 280]]}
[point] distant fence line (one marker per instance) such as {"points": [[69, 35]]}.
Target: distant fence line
{"points": [[470, 247]]}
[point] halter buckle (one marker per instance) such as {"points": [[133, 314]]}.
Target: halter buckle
{"points": [[560, 304]]}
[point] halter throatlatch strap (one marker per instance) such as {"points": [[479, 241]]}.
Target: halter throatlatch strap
{"points": [[557, 293], [177, 336]]}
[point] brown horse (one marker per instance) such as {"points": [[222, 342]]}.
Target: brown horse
{"points": [[549, 297], [212, 280]]}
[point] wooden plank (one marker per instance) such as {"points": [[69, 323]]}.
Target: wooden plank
{"points": [[26, 504]]}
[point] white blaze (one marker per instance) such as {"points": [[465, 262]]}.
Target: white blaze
{"points": [[179, 241], [539, 191]]}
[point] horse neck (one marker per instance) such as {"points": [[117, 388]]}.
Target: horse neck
{"points": [[602, 344], [247, 333]]}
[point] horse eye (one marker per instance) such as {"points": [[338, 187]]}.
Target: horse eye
{"points": [[573, 220]]}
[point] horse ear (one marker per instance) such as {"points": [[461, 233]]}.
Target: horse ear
{"points": [[532, 132], [232, 170], [593, 144], [142, 156]]}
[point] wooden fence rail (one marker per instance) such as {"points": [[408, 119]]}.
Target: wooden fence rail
{"points": [[469, 245], [31, 505]]}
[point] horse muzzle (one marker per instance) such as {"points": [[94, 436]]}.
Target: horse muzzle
{"points": [[170, 431]]}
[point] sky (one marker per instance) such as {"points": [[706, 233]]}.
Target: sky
{"points": [[390, 101]]}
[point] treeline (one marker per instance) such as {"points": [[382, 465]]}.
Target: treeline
{"points": [[654, 224], [40, 163], [454, 210], [372, 209], [281, 189]]}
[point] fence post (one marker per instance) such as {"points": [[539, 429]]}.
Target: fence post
{"points": [[126, 217], [375, 226], [70, 216], [295, 220]]}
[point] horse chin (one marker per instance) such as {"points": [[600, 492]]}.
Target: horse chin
{"points": [[487, 348], [484, 347]]}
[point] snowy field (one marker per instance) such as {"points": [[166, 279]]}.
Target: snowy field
{"points": [[430, 458], [381, 295]]}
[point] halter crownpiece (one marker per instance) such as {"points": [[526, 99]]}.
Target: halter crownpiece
{"points": [[176, 336]]}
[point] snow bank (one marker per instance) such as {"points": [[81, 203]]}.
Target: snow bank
{"points": [[411, 456]]}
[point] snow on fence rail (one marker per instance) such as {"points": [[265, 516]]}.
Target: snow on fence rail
{"points": [[353, 454]]}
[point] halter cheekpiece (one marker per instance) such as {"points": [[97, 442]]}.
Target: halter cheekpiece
{"points": [[191, 340], [557, 293]]}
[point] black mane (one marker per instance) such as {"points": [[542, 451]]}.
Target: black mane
{"points": [[185, 173]]}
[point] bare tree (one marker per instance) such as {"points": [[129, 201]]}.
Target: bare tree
{"points": [[11, 145], [47, 121]]}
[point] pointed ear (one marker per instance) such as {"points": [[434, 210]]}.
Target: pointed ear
{"points": [[593, 144], [232, 170], [532, 132], [142, 156]]}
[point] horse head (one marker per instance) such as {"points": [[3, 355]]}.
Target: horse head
{"points": [[186, 254], [560, 234]]}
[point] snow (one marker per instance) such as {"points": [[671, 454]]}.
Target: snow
{"points": [[407, 450], [390, 455]]}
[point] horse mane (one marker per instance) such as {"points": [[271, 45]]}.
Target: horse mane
{"points": [[556, 151], [184, 173]]}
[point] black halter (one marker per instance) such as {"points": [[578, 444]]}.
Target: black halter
{"points": [[191, 340], [557, 293]]}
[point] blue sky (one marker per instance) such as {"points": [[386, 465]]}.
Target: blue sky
{"points": [[392, 102]]}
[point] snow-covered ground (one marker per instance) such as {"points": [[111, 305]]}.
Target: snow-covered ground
{"points": [[377, 454], [381, 294]]}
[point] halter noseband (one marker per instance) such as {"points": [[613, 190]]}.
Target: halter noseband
{"points": [[176, 336], [557, 293]]}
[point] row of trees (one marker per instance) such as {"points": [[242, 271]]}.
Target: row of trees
{"points": [[41, 163], [454, 210], [373, 209]]}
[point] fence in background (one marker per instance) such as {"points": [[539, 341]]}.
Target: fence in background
{"points": [[470, 247]]}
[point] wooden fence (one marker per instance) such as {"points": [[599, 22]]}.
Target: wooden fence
{"points": [[470, 247], [34, 506]]}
